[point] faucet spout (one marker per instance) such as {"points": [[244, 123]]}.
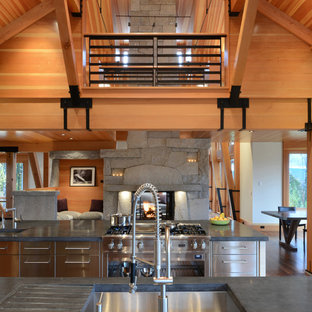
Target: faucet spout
{"points": [[4, 210], [158, 279]]}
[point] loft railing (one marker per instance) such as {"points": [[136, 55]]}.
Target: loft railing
{"points": [[154, 59]]}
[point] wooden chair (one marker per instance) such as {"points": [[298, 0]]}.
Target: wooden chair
{"points": [[286, 209]]}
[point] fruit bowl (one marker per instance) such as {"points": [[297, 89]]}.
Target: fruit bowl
{"points": [[220, 222]]}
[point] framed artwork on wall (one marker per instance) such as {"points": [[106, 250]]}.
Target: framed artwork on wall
{"points": [[82, 176]]}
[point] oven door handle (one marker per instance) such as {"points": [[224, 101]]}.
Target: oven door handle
{"points": [[144, 261]]}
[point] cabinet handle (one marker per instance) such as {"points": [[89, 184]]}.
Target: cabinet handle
{"points": [[234, 261], [238, 247], [77, 248], [37, 262], [4, 248], [77, 262], [37, 248]]}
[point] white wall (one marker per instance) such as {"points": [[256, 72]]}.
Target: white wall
{"points": [[267, 179], [246, 180], [31, 182]]}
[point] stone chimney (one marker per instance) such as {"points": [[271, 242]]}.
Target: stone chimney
{"points": [[153, 16]]}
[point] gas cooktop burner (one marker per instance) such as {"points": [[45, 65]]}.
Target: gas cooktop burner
{"points": [[177, 229], [121, 230], [187, 229]]}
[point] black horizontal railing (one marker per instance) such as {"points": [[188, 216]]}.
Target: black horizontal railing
{"points": [[154, 59]]}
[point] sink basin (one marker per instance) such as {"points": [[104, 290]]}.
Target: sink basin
{"points": [[11, 230], [178, 301]]}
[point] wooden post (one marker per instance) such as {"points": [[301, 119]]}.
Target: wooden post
{"points": [[236, 195], [10, 178], [46, 170], [309, 201], [35, 169]]}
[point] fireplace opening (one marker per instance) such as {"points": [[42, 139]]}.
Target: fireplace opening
{"points": [[146, 208]]}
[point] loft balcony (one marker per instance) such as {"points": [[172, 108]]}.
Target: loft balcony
{"points": [[154, 60]]}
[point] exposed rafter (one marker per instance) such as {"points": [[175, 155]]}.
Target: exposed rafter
{"points": [[30, 17], [66, 37], [35, 169], [244, 39], [74, 6], [284, 20], [237, 5]]}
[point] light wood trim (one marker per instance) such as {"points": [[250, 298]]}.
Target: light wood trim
{"points": [[227, 164], [284, 20], [67, 43], [30, 17], [236, 195], [10, 178], [309, 201], [237, 5], [62, 146], [35, 169], [46, 169], [244, 39], [285, 177]]}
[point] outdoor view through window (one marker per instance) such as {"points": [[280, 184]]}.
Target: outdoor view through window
{"points": [[298, 180], [19, 181]]}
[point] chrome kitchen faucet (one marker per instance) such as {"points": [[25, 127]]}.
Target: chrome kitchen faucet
{"points": [[161, 280]]}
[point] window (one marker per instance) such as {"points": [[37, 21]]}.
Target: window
{"points": [[20, 178], [297, 168]]}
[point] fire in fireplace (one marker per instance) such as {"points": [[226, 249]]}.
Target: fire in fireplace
{"points": [[146, 209]]}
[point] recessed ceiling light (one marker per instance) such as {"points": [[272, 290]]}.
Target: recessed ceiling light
{"points": [[71, 138], [63, 134]]}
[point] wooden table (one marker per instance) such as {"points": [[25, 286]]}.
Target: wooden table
{"points": [[290, 221]]}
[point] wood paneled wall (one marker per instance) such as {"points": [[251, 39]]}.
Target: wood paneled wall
{"points": [[79, 198], [279, 64], [31, 63]]}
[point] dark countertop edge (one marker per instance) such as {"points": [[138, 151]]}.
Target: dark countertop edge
{"points": [[240, 238], [50, 238]]}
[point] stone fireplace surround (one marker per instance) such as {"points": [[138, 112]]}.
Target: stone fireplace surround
{"points": [[160, 158]]}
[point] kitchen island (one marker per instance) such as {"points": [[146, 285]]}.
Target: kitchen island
{"points": [[269, 294], [80, 248]]}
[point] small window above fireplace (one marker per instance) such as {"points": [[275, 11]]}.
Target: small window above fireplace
{"points": [[146, 208]]}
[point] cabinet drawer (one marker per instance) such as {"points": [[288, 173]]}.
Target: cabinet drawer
{"points": [[9, 265], [9, 248], [234, 265], [37, 248], [78, 248], [234, 248], [77, 266], [37, 265]]}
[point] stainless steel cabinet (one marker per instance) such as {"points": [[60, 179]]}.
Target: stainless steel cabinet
{"points": [[9, 259], [78, 259], [235, 258], [37, 259]]}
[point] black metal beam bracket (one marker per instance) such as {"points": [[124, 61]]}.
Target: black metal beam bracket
{"points": [[233, 102], [75, 101]]}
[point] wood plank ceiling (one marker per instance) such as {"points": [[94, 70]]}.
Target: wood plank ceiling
{"points": [[192, 16]]}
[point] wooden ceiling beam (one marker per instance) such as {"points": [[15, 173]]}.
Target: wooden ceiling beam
{"points": [[30, 17], [237, 5], [35, 168], [285, 21], [74, 6], [62, 16], [244, 39]]}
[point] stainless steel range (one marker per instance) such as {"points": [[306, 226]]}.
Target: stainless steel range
{"points": [[189, 250]]}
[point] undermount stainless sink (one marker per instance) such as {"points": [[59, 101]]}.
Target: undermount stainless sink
{"points": [[12, 230], [178, 301]]}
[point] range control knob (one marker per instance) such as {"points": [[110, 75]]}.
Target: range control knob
{"points": [[111, 245], [140, 245], [194, 244], [119, 245], [203, 245]]}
